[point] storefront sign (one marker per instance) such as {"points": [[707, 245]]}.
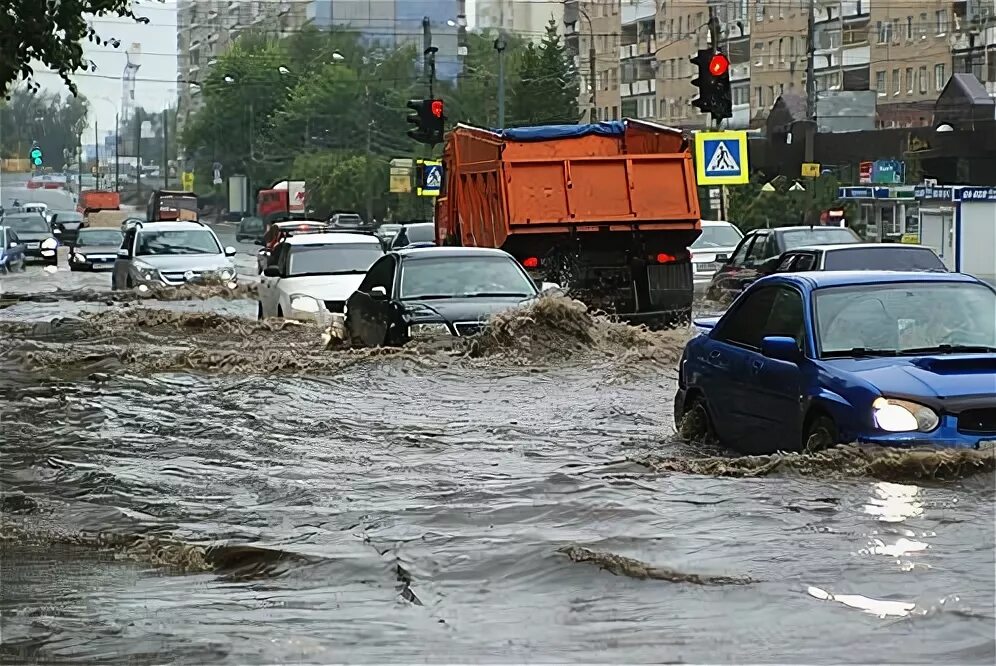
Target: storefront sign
{"points": [[936, 192], [888, 172], [977, 194]]}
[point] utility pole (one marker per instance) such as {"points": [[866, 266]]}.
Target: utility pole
{"points": [[96, 153], [366, 163], [591, 68], [714, 35], [810, 57], [429, 67], [811, 80], [117, 151], [137, 119], [165, 150], [500, 46]]}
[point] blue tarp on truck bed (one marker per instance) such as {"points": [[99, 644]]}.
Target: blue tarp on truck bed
{"points": [[548, 132]]}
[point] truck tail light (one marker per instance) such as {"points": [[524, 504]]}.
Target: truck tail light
{"points": [[530, 262], [665, 258]]}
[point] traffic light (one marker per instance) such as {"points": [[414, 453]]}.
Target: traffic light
{"points": [[36, 156], [418, 132], [428, 120], [713, 82], [435, 121]]}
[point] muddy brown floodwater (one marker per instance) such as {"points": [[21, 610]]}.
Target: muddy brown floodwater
{"points": [[182, 484]]}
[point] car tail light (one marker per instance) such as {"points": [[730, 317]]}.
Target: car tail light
{"points": [[530, 262], [665, 258]]}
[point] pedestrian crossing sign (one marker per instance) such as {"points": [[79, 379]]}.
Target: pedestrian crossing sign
{"points": [[721, 158]]}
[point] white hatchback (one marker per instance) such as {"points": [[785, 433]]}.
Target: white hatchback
{"points": [[711, 250], [309, 277]]}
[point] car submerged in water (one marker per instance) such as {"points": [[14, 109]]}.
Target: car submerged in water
{"points": [[805, 361], [435, 291]]}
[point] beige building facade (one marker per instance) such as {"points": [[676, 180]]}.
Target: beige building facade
{"points": [[903, 51]]}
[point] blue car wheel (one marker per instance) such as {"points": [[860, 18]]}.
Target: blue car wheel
{"points": [[695, 425], [820, 435]]}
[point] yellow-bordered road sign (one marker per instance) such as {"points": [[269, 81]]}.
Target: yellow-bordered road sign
{"points": [[721, 158]]}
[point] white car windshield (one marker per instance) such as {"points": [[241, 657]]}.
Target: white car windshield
{"points": [[463, 277], [907, 317], [725, 235], [333, 259], [181, 241]]}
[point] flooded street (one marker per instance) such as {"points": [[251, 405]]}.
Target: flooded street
{"points": [[182, 484]]}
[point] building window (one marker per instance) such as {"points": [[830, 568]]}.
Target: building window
{"points": [[939, 78], [759, 53], [942, 21], [759, 93], [741, 95], [897, 32], [923, 25], [909, 27], [880, 82], [781, 50], [909, 81], [881, 28], [922, 74], [896, 84]]}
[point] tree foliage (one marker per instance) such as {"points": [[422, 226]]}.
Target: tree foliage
{"points": [[547, 88], [329, 108], [55, 123], [751, 207], [52, 33]]}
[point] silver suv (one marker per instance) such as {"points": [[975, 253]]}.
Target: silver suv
{"points": [[171, 253]]}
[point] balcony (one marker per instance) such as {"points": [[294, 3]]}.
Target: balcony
{"points": [[638, 88], [640, 49], [849, 10], [637, 10], [847, 57], [739, 71]]}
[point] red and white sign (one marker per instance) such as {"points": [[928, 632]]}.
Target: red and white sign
{"points": [[865, 172]]}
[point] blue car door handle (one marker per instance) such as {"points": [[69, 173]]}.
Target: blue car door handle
{"points": [[757, 365], [714, 354]]}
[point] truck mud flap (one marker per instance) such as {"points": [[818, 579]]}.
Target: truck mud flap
{"points": [[669, 286]]}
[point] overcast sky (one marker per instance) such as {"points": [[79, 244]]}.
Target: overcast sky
{"points": [[156, 86]]}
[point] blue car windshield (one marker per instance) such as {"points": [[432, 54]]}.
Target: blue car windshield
{"points": [[904, 318]]}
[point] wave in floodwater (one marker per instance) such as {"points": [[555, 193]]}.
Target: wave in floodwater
{"points": [[221, 490], [187, 292]]}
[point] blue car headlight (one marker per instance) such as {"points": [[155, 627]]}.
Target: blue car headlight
{"points": [[903, 416]]}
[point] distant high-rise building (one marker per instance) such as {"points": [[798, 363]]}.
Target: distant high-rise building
{"points": [[525, 18]]}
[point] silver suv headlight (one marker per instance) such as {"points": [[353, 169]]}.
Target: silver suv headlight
{"points": [[226, 274], [428, 330], [49, 244], [145, 271]]}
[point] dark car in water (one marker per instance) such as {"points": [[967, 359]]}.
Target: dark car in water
{"points": [[421, 234], [861, 257], [34, 233], [439, 291], [95, 249], [66, 224], [250, 229], [759, 253]]}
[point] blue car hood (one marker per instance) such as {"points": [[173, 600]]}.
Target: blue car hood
{"points": [[941, 376]]}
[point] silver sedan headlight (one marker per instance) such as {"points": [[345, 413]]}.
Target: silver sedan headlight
{"points": [[226, 274], [428, 330], [303, 303], [79, 258]]}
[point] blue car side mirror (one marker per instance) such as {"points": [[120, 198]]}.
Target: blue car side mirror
{"points": [[781, 348]]}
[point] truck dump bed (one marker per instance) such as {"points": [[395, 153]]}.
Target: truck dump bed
{"points": [[611, 176]]}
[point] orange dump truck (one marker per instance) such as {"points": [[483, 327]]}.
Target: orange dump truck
{"points": [[91, 201], [607, 211]]}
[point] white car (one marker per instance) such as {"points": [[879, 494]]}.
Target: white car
{"points": [[310, 276], [711, 250]]}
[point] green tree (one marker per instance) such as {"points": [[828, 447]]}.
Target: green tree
{"points": [[755, 205], [242, 94], [546, 91], [56, 125], [52, 33]]}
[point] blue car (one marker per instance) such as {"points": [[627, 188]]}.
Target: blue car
{"points": [[804, 361], [11, 251]]}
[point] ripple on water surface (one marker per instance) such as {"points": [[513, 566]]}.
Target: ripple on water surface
{"points": [[457, 507]]}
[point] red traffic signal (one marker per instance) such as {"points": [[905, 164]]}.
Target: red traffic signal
{"points": [[719, 65], [437, 108]]}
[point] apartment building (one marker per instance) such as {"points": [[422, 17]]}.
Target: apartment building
{"points": [[592, 28], [205, 28], [525, 18], [906, 52]]}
